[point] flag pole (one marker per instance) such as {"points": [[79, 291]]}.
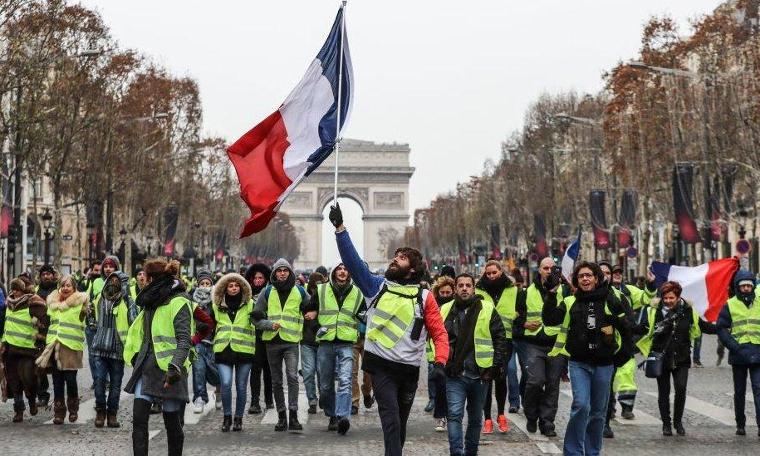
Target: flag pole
{"points": [[340, 89]]}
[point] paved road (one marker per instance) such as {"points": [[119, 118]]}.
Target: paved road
{"points": [[708, 420]]}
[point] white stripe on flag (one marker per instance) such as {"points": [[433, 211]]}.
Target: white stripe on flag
{"points": [[692, 279]]}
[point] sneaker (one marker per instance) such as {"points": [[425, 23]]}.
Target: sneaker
{"points": [[440, 425], [514, 409], [488, 427], [502, 424], [198, 405], [218, 402], [698, 364], [740, 430], [333, 424], [430, 406], [254, 409], [627, 414], [343, 426]]}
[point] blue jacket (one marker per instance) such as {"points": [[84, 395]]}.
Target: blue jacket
{"points": [[738, 354]]}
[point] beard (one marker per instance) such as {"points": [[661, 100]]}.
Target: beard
{"points": [[396, 273]]}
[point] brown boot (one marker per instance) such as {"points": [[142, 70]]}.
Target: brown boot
{"points": [[100, 417], [73, 404], [18, 415], [112, 421], [59, 411]]}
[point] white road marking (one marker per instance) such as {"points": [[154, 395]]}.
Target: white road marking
{"points": [[541, 441], [192, 417], [641, 418], [719, 414], [271, 415], [153, 433], [748, 397]]}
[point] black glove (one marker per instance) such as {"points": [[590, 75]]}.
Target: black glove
{"points": [[173, 375], [336, 215], [438, 374], [257, 315], [554, 279]]}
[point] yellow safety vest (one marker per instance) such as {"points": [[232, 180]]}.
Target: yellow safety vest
{"points": [[645, 343], [393, 315], [239, 335], [745, 321], [340, 322], [560, 344], [163, 337], [482, 335], [505, 307], [66, 328], [19, 329], [289, 316], [535, 305]]}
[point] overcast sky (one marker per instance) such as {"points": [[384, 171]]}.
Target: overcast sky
{"points": [[451, 78]]}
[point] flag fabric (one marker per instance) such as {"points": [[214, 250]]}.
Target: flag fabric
{"points": [[286, 147], [570, 257], [704, 286]]}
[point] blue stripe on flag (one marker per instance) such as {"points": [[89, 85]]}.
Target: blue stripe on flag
{"points": [[661, 271]]}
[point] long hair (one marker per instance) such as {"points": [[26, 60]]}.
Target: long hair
{"points": [[595, 269]]}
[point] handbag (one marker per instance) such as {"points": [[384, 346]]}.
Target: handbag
{"points": [[653, 365]]}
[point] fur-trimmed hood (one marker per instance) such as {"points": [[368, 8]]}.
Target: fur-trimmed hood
{"points": [[221, 287], [76, 299]]}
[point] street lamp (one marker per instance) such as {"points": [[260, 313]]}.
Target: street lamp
{"points": [[46, 219]]}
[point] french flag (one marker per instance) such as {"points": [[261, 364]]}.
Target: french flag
{"points": [[704, 286], [570, 257], [282, 150]]}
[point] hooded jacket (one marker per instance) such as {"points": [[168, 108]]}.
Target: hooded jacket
{"points": [[340, 296], [38, 312], [228, 356], [106, 342], [265, 270], [284, 289], [738, 354]]}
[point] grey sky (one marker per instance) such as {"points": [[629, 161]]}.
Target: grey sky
{"points": [[451, 78]]}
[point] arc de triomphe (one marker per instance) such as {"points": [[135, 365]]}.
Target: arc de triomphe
{"points": [[376, 176]]}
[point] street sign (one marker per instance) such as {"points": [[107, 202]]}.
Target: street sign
{"points": [[67, 237], [743, 246], [632, 252]]}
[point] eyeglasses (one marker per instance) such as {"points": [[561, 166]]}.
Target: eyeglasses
{"points": [[585, 275]]}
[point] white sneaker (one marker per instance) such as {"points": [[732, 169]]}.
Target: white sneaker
{"points": [[218, 403], [440, 425], [199, 404]]}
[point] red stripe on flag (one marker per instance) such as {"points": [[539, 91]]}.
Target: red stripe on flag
{"points": [[718, 279], [258, 160]]}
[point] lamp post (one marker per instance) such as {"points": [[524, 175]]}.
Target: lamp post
{"points": [[46, 219]]}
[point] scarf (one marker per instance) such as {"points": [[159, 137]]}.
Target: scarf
{"points": [[232, 302], [285, 285], [598, 294], [18, 303], [494, 287], [159, 292], [202, 297]]}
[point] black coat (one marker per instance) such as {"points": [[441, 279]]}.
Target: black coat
{"points": [[678, 348], [738, 354]]}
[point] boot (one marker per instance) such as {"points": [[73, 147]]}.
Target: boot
{"points": [[100, 417], [237, 424], [282, 422], [73, 405], [18, 414], [254, 409], [679, 428], [112, 420], [59, 411], [33, 407], [294, 425], [175, 436], [140, 416], [226, 422], [667, 430]]}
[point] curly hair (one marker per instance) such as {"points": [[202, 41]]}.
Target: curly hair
{"points": [[158, 267], [443, 281], [595, 269]]}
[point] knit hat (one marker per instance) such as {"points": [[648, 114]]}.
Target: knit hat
{"points": [[743, 277], [204, 274], [47, 268], [22, 284], [449, 271]]}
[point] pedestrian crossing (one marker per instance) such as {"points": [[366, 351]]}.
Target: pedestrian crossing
{"points": [[693, 404], [641, 418]]}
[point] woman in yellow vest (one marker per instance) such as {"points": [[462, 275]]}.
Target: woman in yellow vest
{"points": [[234, 343], [158, 348], [67, 309], [25, 327]]}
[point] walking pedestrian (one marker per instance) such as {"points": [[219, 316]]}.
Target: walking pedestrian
{"points": [[497, 288], [278, 314], [535, 338], [48, 282], [62, 356], [672, 325], [158, 347], [443, 291], [399, 316], [478, 351], [365, 390], [21, 344], [234, 344], [591, 319], [336, 304], [739, 330], [202, 341], [258, 275], [309, 345], [94, 287]]}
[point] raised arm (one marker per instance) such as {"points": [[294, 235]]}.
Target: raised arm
{"points": [[368, 283]]}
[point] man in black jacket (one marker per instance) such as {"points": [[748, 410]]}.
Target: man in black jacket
{"points": [[479, 350]]}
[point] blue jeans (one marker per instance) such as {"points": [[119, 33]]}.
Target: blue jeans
{"points": [[513, 386], [242, 371], [199, 372], [309, 372], [106, 368], [335, 358], [591, 391], [167, 405], [461, 392], [431, 383], [89, 334], [696, 352]]}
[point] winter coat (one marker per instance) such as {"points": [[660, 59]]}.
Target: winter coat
{"points": [[56, 353], [159, 293], [262, 302], [228, 356], [38, 311], [738, 354]]}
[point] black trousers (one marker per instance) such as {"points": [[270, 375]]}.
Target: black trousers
{"points": [[500, 385], [65, 381], [740, 374], [261, 366], [680, 377], [394, 396]]}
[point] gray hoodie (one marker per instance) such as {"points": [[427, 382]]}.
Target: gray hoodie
{"points": [[262, 303]]}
